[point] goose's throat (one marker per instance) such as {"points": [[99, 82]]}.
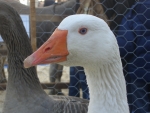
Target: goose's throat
{"points": [[106, 85]]}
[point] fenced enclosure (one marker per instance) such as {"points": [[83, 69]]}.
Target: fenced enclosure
{"points": [[128, 19]]}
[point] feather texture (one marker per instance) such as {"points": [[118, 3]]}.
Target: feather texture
{"points": [[24, 93]]}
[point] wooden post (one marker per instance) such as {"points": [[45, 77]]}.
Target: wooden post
{"points": [[33, 24]]}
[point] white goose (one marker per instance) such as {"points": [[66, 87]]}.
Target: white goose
{"points": [[85, 40]]}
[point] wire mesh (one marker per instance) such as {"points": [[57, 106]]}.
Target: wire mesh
{"points": [[128, 19]]}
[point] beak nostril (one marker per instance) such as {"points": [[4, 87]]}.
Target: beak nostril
{"points": [[47, 49]]}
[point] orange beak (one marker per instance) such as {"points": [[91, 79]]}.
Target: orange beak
{"points": [[54, 50]]}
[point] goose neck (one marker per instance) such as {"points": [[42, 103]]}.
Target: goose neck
{"points": [[107, 89]]}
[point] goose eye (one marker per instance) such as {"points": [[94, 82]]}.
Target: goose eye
{"points": [[83, 31]]}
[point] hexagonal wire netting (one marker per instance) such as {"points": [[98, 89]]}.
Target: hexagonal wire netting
{"points": [[128, 19]]}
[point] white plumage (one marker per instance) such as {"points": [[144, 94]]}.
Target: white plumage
{"points": [[91, 44]]}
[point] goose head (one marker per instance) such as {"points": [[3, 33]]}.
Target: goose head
{"points": [[79, 40]]}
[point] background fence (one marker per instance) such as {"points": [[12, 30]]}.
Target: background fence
{"points": [[128, 19]]}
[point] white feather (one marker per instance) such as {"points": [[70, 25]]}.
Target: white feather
{"points": [[97, 51]]}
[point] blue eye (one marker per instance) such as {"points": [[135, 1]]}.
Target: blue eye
{"points": [[83, 31]]}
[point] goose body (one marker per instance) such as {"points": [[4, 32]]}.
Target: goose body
{"points": [[87, 41], [24, 93]]}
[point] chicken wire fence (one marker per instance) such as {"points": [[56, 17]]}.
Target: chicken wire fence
{"points": [[128, 19]]}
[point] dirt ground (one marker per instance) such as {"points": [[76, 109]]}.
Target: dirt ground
{"points": [[43, 74]]}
